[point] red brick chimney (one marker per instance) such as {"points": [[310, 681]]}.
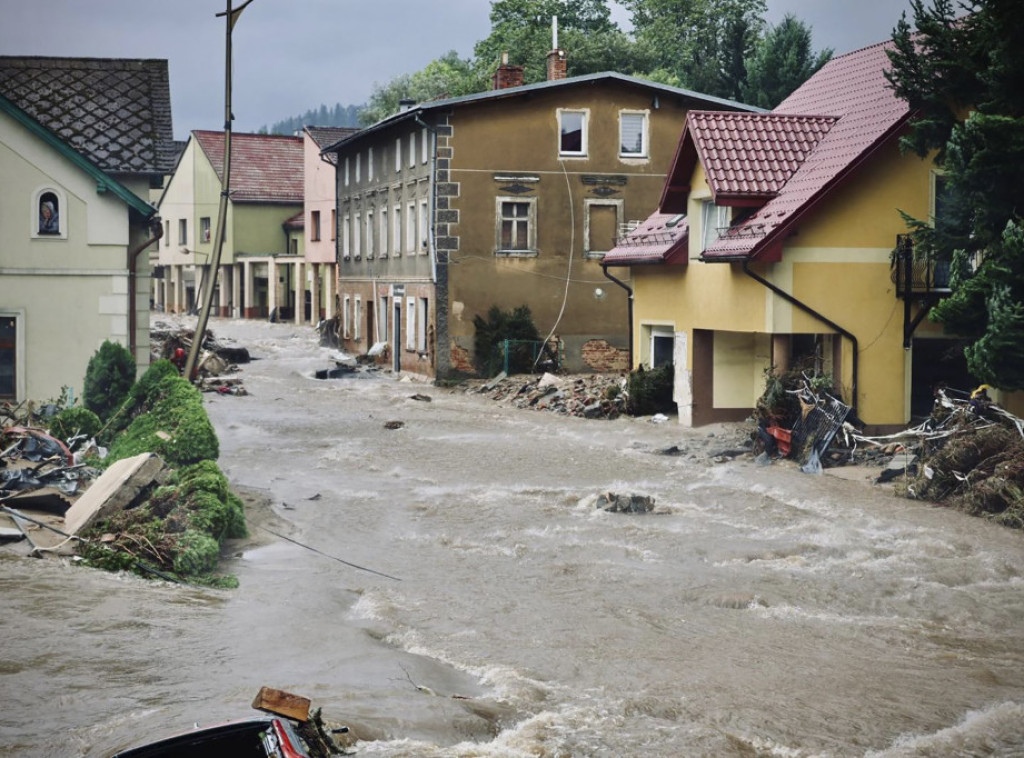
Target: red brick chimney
{"points": [[507, 76], [556, 64]]}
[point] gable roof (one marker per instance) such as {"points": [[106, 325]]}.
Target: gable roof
{"points": [[115, 112], [527, 90], [817, 137], [104, 182], [265, 168], [328, 135]]}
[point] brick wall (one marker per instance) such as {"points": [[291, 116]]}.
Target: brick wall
{"points": [[603, 358]]}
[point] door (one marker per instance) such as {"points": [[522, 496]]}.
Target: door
{"points": [[396, 343]]}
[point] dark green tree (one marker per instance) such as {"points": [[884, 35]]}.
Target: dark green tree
{"points": [[108, 378], [447, 76], [781, 61], [962, 76]]}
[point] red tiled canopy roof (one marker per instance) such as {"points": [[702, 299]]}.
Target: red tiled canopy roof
{"points": [[265, 168], [662, 238]]}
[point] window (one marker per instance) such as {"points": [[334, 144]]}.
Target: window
{"points": [[167, 233], [410, 230], [572, 132], [424, 145], [385, 247], [516, 225], [346, 170], [369, 165], [357, 233], [421, 324], [204, 228], [346, 236], [398, 155], [293, 245], [601, 222], [182, 231], [662, 345], [382, 320], [314, 226], [412, 150], [369, 234], [8, 357], [49, 213], [632, 135], [359, 170], [334, 224], [396, 236], [357, 320], [346, 317], [424, 227], [714, 219], [410, 323]]}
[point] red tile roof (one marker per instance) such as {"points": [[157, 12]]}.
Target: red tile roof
{"points": [[265, 168], [663, 236], [852, 89], [753, 154], [788, 159]]}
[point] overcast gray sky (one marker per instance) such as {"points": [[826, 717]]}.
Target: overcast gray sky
{"points": [[293, 55]]}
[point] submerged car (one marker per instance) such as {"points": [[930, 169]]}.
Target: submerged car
{"points": [[258, 737]]}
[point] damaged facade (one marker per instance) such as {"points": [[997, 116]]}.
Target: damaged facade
{"points": [[504, 198], [84, 143], [774, 243]]}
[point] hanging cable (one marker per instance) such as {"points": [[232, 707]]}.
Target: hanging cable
{"points": [[568, 272]]}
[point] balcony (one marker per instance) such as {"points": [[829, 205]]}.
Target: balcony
{"points": [[917, 279]]}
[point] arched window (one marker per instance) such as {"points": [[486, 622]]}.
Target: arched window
{"points": [[48, 213]]}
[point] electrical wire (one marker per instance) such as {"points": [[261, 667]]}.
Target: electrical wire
{"points": [[568, 272]]}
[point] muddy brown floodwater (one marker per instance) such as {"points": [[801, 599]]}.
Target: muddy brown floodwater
{"points": [[462, 597]]}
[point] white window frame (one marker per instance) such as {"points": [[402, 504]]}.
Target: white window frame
{"points": [[346, 317], [357, 234], [359, 167], [712, 218], [183, 232], [422, 306], [659, 332], [424, 145], [346, 171], [531, 226], [424, 230], [357, 318], [385, 243], [396, 226], [584, 115], [346, 237], [412, 150], [369, 235], [398, 154], [644, 117], [369, 165], [410, 228], [410, 323]]}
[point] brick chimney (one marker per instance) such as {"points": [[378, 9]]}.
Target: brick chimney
{"points": [[556, 64], [507, 76]]}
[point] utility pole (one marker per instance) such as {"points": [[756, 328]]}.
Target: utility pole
{"points": [[230, 17]]}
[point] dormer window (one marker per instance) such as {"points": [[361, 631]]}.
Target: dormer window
{"points": [[714, 221]]}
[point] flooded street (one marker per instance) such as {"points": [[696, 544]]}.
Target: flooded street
{"points": [[446, 589]]}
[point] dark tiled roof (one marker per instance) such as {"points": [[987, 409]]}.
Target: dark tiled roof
{"points": [[851, 89], [265, 168], [328, 135], [753, 154], [115, 112], [663, 236]]}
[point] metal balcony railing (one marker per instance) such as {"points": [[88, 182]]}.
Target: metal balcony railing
{"points": [[914, 278]]}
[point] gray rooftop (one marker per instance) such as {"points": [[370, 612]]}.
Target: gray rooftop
{"points": [[115, 112]]}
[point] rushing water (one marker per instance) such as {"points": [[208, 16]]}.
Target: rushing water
{"points": [[466, 599]]}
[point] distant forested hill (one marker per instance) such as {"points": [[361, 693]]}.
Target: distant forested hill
{"points": [[339, 115]]}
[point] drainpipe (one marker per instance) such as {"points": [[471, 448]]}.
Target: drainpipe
{"points": [[156, 228], [811, 312], [629, 309]]}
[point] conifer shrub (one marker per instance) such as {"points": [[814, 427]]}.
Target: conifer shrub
{"points": [[73, 421], [108, 378], [490, 337], [650, 391]]}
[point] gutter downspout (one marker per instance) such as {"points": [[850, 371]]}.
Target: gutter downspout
{"points": [[629, 309], [156, 228], [811, 312]]}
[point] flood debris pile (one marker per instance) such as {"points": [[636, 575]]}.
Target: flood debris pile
{"points": [[599, 396], [969, 455], [144, 494], [216, 363]]}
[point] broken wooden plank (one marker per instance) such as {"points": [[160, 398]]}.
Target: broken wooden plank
{"points": [[282, 703]]}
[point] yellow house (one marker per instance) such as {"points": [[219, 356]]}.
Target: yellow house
{"points": [[774, 245], [261, 268]]}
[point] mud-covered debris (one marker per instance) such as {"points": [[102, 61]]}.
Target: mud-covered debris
{"points": [[421, 398], [595, 396], [394, 424], [617, 503]]}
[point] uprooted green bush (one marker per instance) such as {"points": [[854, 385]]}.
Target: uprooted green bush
{"points": [[650, 391], [74, 421], [162, 414], [176, 533]]}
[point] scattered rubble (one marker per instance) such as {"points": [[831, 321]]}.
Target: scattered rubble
{"points": [[173, 342], [597, 396], [616, 503]]}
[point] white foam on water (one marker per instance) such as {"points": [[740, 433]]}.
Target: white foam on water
{"points": [[996, 731]]}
